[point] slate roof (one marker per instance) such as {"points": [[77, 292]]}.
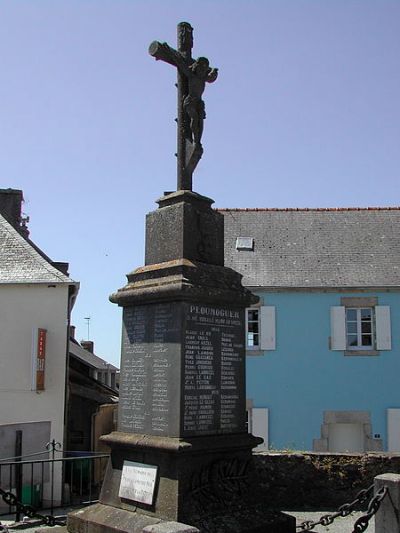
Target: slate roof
{"points": [[21, 262], [89, 358], [315, 248]]}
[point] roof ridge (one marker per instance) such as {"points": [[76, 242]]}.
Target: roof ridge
{"points": [[287, 209]]}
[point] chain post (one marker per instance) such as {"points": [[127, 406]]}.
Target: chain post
{"points": [[362, 523], [387, 518]]}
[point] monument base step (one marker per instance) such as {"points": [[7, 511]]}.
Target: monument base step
{"points": [[100, 518], [106, 519]]}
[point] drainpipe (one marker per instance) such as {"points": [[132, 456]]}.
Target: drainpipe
{"points": [[72, 294]]}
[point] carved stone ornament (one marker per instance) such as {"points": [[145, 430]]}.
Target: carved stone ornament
{"points": [[222, 483]]}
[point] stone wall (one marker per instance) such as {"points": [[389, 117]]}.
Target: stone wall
{"points": [[319, 481]]}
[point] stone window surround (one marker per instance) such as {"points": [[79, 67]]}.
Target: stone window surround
{"points": [[371, 444]]}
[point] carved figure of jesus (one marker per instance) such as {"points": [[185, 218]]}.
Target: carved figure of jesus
{"points": [[198, 73], [192, 78]]}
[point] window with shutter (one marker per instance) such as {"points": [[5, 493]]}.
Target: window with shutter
{"points": [[360, 326], [260, 328]]}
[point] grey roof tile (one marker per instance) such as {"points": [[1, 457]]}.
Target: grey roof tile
{"points": [[315, 247], [89, 358], [20, 262]]}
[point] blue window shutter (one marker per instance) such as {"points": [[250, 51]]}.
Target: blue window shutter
{"points": [[338, 328], [383, 329], [267, 328]]}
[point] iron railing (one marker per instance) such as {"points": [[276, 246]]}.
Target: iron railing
{"points": [[74, 479]]}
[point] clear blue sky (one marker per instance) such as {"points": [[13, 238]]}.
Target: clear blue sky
{"points": [[305, 113]]}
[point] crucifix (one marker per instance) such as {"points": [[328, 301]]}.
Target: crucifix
{"points": [[192, 77]]}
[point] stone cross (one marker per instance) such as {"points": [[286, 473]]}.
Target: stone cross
{"points": [[192, 77]]}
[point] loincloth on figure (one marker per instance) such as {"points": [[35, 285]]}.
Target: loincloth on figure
{"points": [[194, 103]]}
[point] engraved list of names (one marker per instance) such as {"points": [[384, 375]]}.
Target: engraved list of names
{"points": [[150, 357], [213, 359]]}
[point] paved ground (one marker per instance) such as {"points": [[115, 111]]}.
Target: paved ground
{"points": [[340, 525]]}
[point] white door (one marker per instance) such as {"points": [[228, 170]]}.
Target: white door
{"points": [[346, 438], [393, 423], [258, 425]]}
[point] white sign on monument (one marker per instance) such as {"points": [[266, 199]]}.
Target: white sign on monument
{"points": [[138, 482]]}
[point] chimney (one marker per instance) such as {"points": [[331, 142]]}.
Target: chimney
{"points": [[72, 332], [88, 345], [10, 207], [61, 266]]}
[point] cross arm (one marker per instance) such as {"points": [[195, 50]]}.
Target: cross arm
{"points": [[167, 54]]}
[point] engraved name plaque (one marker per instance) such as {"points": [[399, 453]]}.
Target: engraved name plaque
{"points": [[138, 482], [213, 359]]}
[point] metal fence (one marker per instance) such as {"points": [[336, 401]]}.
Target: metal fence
{"points": [[74, 479]]}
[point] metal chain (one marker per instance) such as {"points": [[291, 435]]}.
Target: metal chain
{"points": [[344, 510], [10, 499], [362, 523]]}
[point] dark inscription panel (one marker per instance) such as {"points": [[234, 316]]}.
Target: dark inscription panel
{"points": [[149, 385], [213, 371]]}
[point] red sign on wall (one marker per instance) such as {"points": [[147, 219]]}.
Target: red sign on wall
{"points": [[40, 358]]}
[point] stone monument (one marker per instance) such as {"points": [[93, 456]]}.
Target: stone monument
{"points": [[182, 453]]}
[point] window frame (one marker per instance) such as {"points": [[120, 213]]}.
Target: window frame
{"points": [[254, 347], [266, 329], [359, 326]]}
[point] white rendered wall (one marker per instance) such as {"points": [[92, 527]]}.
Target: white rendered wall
{"points": [[23, 308]]}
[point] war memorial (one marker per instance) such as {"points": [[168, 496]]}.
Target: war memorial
{"points": [[181, 460]]}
